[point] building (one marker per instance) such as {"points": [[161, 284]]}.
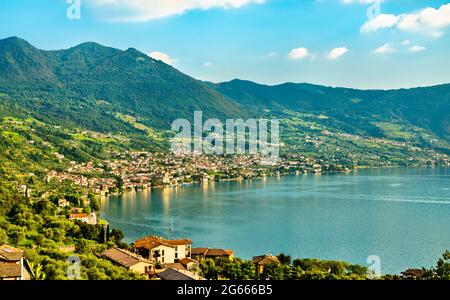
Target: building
{"points": [[178, 274], [130, 261], [160, 250], [200, 254], [264, 260], [190, 264], [86, 218], [413, 274], [13, 265]]}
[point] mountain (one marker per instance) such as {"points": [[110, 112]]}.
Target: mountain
{"points": [[93, 81], [428, 107], [127, 100]]}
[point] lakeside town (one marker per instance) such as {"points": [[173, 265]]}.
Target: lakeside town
{"points": [[141, 170]]}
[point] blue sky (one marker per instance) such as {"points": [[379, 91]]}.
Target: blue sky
{"points": [[331, 42]]}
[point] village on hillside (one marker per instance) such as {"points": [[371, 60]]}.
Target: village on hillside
{"points": [[152, 257]]}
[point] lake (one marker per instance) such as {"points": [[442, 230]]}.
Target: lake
{"points": [[400, 215]]}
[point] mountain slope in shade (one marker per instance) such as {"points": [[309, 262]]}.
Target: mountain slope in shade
{"points": [[427, 107], [128, 81], [88, 85]]}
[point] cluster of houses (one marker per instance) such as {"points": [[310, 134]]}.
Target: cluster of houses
{"points": [[153, 257], [140, 170], [159, 258]]}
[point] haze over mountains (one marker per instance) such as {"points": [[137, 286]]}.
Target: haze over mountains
{"points": [[88, 85]]}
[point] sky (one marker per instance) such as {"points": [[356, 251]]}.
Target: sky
{"points": [[368, 44]]}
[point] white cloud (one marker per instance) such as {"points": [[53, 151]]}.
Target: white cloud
{"points": [[402, 47], [386, 48], [380, 22], [417, 48], [162, 57], [429, 21], [298, 53], [406, 43], [208, 64], [145, 10], [337, 53]]}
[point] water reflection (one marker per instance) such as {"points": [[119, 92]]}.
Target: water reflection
{"points": [[401, 215]]}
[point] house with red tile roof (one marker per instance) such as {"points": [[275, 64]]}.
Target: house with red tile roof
{"points": [[200, 254], [264, 260], [130, 260], [13, 265], [164, 251]]}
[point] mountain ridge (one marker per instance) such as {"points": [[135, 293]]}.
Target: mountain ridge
{"points": [[129, 82]]}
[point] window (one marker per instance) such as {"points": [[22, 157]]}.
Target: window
{"points": [[176, 255]]}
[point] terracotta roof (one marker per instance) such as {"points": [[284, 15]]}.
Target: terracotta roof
{"points": [[123, 257], [179, 242], [10, 269], [176, 266], [187, 260], [216, 252], [198, 251], [172, 274], [78, 216], [9, 253], [151, 242], [413, 273], [265, 259]]}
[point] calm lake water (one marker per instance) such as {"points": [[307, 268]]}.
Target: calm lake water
{"points": [[401, 215]]}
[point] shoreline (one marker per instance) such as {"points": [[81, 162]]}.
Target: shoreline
{"points": [[198, 183]]}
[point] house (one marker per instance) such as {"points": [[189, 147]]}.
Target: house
{"points": [[189, 263], [200, 254], [176, 266], [178, 274], [13, 265], [264, 260], [86, 218], [130, 261], [413, 274], [160, 250]]}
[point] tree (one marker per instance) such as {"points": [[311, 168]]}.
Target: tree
{"points": [[273, 271], [208, 269], [116, 235], [93, 202], [285, 259], [38, 272], [442, 269], [3, 236], [232, 271]]}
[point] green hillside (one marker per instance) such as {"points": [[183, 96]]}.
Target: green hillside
{"points": [[87, 84], [357, 111]]}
